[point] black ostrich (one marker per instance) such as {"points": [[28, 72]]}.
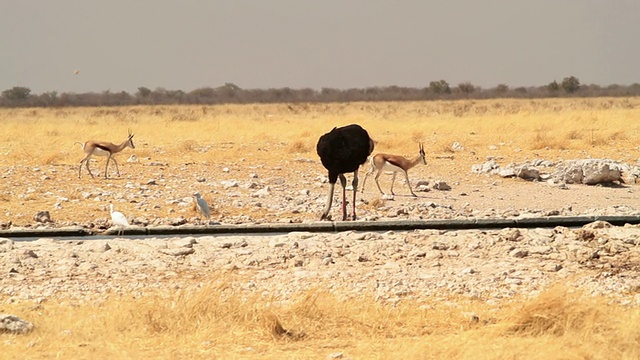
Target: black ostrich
{"points": [[343, 150]]}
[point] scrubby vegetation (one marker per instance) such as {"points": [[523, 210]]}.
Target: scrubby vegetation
{"points": [[229, 93]]}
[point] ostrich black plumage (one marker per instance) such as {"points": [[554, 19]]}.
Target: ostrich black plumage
{"points": [[343, 150]]}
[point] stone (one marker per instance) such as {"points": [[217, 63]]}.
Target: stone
{"points": [[507, 173], [510, 234], [489, 167], [177, 251], [598, 224], [6, 245], [518, 253], [177, 221], [14, 325], [456, 146], [186, 242], [441, 185], [589, 172], [42, 217], [527, 173]]}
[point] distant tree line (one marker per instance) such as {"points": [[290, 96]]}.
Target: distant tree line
{"points": [[232, 94]]}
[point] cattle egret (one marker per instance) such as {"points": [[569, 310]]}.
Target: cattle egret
{"points": [[118, 219], [202, 206]]}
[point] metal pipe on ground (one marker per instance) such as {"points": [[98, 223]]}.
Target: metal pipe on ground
{"points": [[337, 226]]}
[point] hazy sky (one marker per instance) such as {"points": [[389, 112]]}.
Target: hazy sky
{"points": [[184, 45]]}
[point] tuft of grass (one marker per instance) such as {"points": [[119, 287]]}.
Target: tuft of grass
{"points": [[377, 203], [597, 140], [543, 140], [619, 135], [189, 146], [221, 320], [55, 158], [574, 135], [557, 312], [298, 147]]}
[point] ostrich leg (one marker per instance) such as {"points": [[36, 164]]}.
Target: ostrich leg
{"points": [[327, 207], [343, 182], [354, 183]]}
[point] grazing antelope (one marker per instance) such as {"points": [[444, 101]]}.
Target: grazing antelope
{"points": [[103, 148], [396, 164]]}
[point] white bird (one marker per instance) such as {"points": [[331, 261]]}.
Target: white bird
{"points": [[118, 219], [202, 206]]}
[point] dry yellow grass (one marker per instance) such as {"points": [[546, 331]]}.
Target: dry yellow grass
{"points": [[260, 132], [218, 322], [272, 135]]}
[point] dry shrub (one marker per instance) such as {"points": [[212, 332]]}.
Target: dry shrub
{"points": [[442, 146], [619, 135], [558, 312], [218, 310], [542, 140], [598, 140], [185, 116], [185, 311], [574, 135], [54, 158], [189, 146], [377, 203], [273, 325], [462, 108], [61, 113], [297, 146], [105, 112]]}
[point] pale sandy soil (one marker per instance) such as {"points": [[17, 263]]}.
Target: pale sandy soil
{"points": [[289, 190]]}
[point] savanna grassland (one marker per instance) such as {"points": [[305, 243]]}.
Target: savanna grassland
{"points": [[201, 141], [216, 321]]}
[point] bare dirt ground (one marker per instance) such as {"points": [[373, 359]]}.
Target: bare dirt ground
{"points": [[294, 190], [288, 190]]}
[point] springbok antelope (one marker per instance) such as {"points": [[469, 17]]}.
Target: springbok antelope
{"points": [[103, 148], [396, 164]]}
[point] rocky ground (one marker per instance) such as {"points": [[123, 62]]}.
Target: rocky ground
{"points": [[490, 265], [156, 193]]}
